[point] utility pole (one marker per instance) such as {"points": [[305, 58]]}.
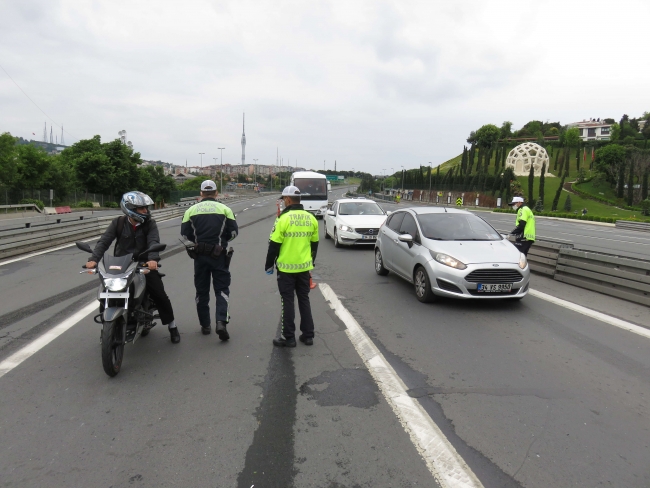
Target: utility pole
{"points": [[215, 163], [202, 160], [255, 172], [221, 184], [430, 171]]}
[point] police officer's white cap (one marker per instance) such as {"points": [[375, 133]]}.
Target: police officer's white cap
{"points": [[208, 185], [516, 200], [291, 191]]}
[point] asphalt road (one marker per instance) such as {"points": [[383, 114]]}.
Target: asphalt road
{"points": [[529, 394]]}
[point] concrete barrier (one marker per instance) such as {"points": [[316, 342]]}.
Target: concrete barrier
{"points": [[624, 278], [15, 242], [630, 225], [63, 210]]}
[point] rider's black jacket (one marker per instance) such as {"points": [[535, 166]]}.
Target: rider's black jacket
{"points": [[130, 240]]}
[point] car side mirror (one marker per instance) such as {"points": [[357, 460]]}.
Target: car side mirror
{"points": [[331, 212], [408, 238]]}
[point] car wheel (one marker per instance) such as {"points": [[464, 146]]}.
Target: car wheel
{"points": [[379, 264], [422, 286], [336, 240], [327, 236]]}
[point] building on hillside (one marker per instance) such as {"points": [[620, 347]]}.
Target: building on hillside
{"points": [[180, 178], [593, 130]]}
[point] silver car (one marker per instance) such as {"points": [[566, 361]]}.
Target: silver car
{"points": [[449, 252]]}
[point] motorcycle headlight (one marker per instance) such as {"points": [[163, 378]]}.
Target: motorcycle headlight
{"points": [[447, 260], [522, 261], [115, 284], [346, 228]]}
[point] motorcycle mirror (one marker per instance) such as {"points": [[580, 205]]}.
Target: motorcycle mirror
{"points": [[154, 248], [84, 246]]}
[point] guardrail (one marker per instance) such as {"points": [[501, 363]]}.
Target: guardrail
{"points": [[31, 206], [624, 278], [26, 240], [630, 225], [543, 255]]}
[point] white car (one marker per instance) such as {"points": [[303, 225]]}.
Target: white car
{"points": [[354, 221]]}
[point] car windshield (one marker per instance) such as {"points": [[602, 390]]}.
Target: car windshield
{"points": [[456, 227], [312, 188], [360, 208]]}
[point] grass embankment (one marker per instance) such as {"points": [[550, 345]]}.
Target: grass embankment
{"points": [[551, 183]]}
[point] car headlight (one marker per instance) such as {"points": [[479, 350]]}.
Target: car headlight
{"points": [[522, 261], [115, 284], [346, 228], [447, 260]]}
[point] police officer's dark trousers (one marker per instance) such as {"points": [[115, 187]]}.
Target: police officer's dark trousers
{"points": [[157, 293], [206, 269], [523, 246], [288, 283]]}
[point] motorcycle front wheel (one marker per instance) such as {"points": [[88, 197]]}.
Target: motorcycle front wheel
{"points": [[113, 345]]}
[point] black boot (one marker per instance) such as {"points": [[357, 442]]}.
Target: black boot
{"points": [[175, 335], [221, 331], [282, 342], [307, 341]]}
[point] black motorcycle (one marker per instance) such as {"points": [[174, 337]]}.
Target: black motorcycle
{"points": [[125, 310]]}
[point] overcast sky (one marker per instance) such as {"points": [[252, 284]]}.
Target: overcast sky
{"points": [[372, 84]]}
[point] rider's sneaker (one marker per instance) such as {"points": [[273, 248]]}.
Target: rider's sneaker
{"points": [[175, 335]]}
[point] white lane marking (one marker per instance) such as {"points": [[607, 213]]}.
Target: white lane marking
{"points": [[37, 344], [608, 319], [447, 466], [9, 261]]}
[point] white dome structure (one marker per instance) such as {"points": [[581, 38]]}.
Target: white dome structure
{"points": [[525, 155]]}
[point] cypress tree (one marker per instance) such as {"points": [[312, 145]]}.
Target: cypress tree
{"points": [[630, 186], [467, 182], [474, 183], [531, 183], [463, 161], [504, 155], [644, 184], [496, 185], [556, 199], [621, 181], [471, 159], [541, 184], [567, 203], [557, 155], [578, 159]]}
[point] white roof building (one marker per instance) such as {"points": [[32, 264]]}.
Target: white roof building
{"points": [[593, 130]]}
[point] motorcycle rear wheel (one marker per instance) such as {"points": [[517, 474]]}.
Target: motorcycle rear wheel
{"points": [[113, 345]]}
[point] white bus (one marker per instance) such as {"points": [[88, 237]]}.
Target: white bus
{"points": [[314, 189]]}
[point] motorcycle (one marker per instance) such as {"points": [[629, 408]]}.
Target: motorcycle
{"points": [[126, 311]]}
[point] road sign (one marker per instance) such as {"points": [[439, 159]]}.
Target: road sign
{"points": [[459, 201], [332, 177]]}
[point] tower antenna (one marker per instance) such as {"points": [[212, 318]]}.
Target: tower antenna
{"points": [[45, 132], [62, 140], [51, 136], [243, 140]]}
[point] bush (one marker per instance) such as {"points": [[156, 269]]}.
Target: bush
{"points": [[38, 203], [83, 204], [111, 205], [567, 204], [645, 207]]}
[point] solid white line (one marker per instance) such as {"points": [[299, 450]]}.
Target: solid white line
{"points": [[33, 347], [446, 465], [608, 319]]}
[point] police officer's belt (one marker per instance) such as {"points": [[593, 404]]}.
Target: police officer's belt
{"points": [[207, 249]]}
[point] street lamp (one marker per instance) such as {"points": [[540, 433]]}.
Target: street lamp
{"points": [[201, 160], [383, 180], [255, 173], [221, 173]]}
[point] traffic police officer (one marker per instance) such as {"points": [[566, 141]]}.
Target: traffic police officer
{"points": [[210, 225], [525, 230], [292, 249]]}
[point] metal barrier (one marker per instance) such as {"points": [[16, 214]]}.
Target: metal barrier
{"points": [[629, 225], [543, 255], [624, 278], [27, 240], [29, 206]]}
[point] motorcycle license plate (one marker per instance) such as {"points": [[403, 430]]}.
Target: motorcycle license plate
{"points": [[494, 288], [111, 294], [369, 237]]}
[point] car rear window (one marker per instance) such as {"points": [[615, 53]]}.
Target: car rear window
{"points": [[360, 208], [457, 227]]}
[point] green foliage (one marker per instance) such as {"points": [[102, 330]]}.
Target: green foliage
{"points": [[630, 186], [83, 204], [539, 207], [531, 183], [572, 137], [556, 199], [38, 203], [645, 207], [541, 185], [567, 203], [111, 205], [487, 135], [506, 130], [608, 162]]}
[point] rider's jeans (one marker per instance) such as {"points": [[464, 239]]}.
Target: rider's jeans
{"points": [[157, 293]]}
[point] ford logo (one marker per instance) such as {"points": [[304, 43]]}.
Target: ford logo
{"points": [[495, 265]]}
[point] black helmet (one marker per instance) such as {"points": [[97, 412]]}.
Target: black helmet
{"points": [[136, 199]]}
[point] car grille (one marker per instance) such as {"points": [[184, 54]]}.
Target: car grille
{"points": [[445, 285], [366, 231], [494, 276]]}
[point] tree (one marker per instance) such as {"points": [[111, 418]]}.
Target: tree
{"points": [[567, 203], [608, 161], [556, 199], [557, 156], [615, 133], [644, 184], [531, 183], [539, 206], [8, 163], [621, 181], [506, 130], [487, 135], [496, 185], [541, 184]]}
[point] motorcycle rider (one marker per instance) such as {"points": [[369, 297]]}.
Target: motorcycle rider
{"points": [[210, 225], [525, 230], [135, 231]]}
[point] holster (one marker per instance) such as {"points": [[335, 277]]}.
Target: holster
{"points": [[229, 254], [207, 249], [191, 252]]}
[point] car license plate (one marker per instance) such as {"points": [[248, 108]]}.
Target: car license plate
{"points": [[368, 237], [494, 288]]}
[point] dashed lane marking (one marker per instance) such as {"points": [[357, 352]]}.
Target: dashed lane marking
{"points": [[447, 466], [608, 319], [36, 345]]}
